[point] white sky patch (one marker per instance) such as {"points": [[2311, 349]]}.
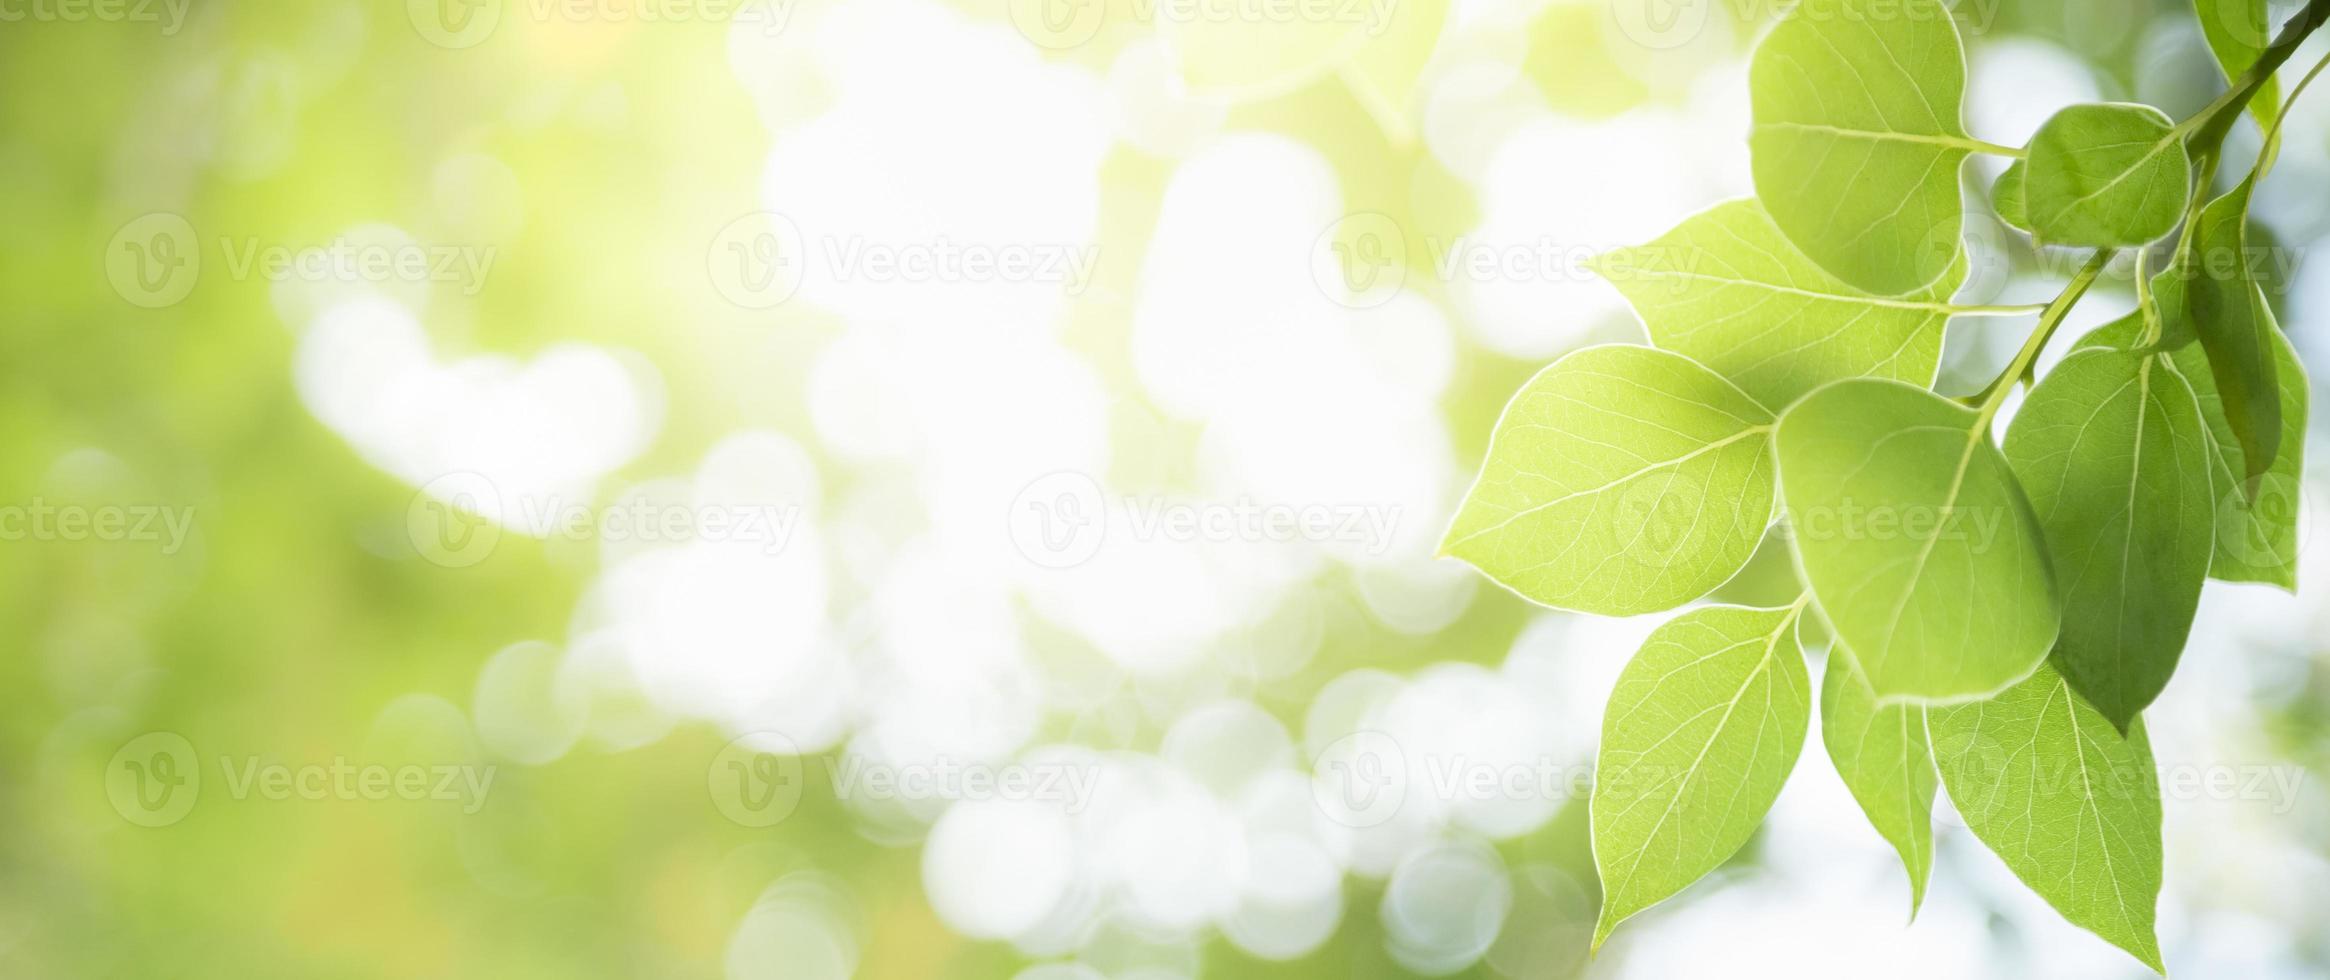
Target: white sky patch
{"points": [[1646, 174], [533, 433], [1004, 158], [2013, 87]]}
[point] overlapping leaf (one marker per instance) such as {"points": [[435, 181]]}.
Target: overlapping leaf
{"points": [[1881, 752], [1858, 137], [1620, 480], [2006, 198], [2114, 455], [1700, 734], [2229, 315], [2256, 539], [1726, 289], [1915, 539], [2105, 176], [2237, 33], [2070, 804]]}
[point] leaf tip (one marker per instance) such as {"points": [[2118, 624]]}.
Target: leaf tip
{"points": [[1604, 925]]}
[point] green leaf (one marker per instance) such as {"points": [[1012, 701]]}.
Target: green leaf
{"points": [[2237, 32], [1915, 540], [2176, 330], [1881, 752], [1858, 138], [2071, 805], [2007, 200], [1700, 733], [2257, 540], [1620, 480], [2114, 455], [2229, 314], [1726, 289], [2108, 175]]}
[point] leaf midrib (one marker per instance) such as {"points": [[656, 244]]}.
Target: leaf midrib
{"points": [[1974, 438], [1731, 705], [1614, 483], [1876, 136], [1857, 298], [2141, 163]]}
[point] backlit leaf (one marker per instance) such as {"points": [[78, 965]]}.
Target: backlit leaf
{"points": [[1700, 733], [1620, 480], [2114, 455], [2237, 32], [2007, 200], [2070, 804], [1858, 137], [1915, 540], [1881, 752], [2256, 540], [2230, 316], [2106, 175], [1726, 289]]}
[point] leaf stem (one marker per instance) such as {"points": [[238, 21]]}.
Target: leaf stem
{"points": [[1996, 149], [2218, 106], [2203, 174], [1995, 395], [2144, 303], [2210, 125], [2016, 309]]}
